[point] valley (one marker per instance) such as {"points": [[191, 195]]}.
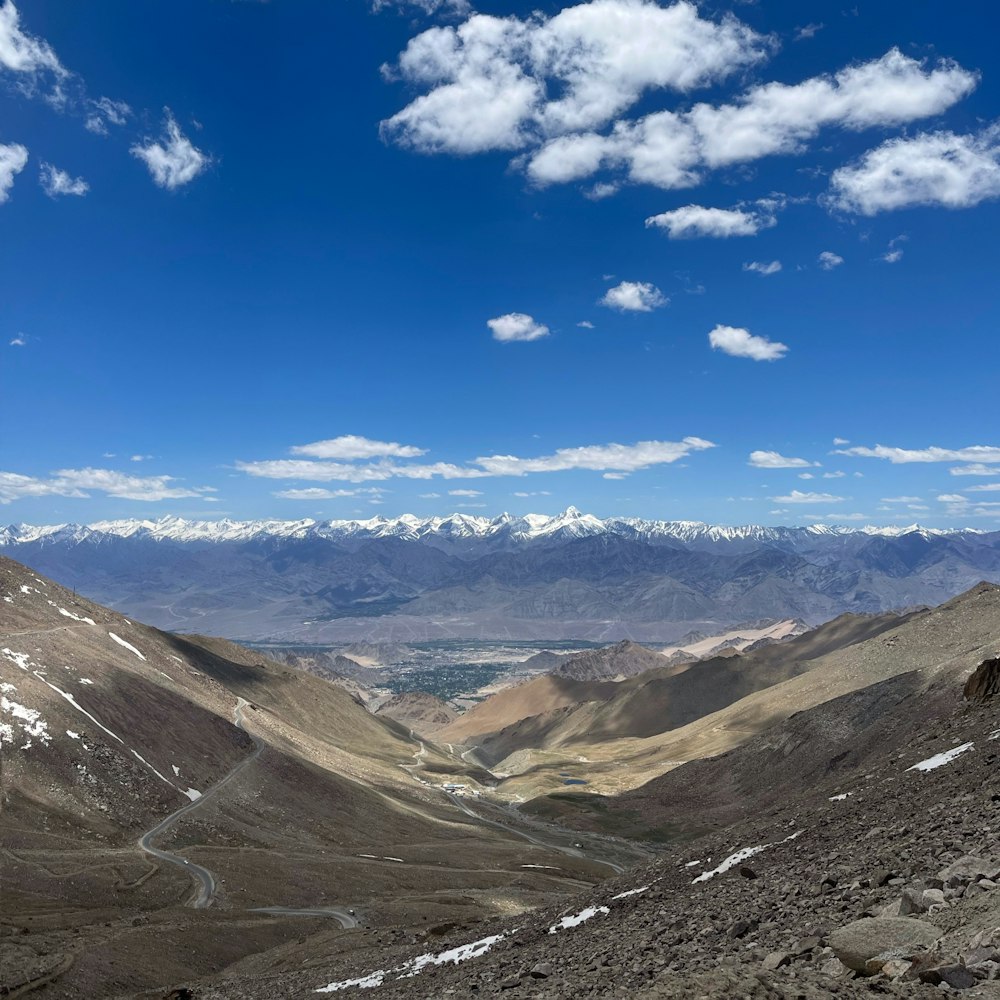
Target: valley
{"points": [[184, 813]]}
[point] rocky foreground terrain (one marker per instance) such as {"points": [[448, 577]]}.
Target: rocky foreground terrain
{"points": [[879, 875], [847, 844]]}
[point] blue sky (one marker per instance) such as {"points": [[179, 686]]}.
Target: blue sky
{"points": [[297, 259]]}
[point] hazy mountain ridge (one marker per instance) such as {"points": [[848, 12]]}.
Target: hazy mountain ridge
{"points": [[570, 576]]}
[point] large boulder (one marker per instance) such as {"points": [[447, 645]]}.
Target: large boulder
{"points": [[894, 937], [984, 683]]}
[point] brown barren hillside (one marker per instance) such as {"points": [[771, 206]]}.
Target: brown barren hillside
{"points": [[418, 711], [173, 804]]}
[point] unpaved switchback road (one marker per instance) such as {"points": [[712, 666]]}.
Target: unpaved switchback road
{"points": [[204, 878]]}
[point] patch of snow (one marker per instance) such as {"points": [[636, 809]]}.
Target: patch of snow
{"points": [[399, 860], [21, 660], [78, 618], [374, 857], [940, 759], [8, 598], [29, 721], [25, 589], [995, 736], [86, 680], [177, 770], [631, 892], [127, 645], [192, 793], [741, 856], [72, 735], [692, 864], [553, 867], [414, 966], [840, 797], [453, 956], [575, 919], [364, 983]]}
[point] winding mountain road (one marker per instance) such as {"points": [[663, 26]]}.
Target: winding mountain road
{"points": [[204, 878]]}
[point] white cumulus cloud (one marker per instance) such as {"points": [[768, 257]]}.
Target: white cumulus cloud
{"points": [[516, 326], [692, 221], [741, 343], [13, 157], [352, 446], [774, 460], [978, 453], [634, 296], [828, 260], [79, 483], [465, 493], [19, 51], [56, 182], [797, 496], [173, 161], [503, 82], [674, 149], [607, 457], [598, 458], [763, 268], [318, 493], [975, 469], [933, 168]]}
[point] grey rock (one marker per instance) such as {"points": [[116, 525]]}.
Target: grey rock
{"points": [[958, 977], [863, 939], [971, 868], [776, 960]]}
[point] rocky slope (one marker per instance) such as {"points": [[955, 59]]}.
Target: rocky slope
{"points": [[860, 857]]}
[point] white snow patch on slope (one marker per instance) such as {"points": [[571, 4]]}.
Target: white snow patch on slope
{"points": [[741, 856], [368, 982], [28, 720], [72, 735], [21, 660], [414, 966], [192, 793], [631, 892], [840, 797], [78, 618], [940, 759], [177, 770], [575, 919], [127, 645]]}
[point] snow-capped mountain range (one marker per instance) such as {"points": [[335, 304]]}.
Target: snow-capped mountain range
{"points": [[571, 523], [567, 576]]}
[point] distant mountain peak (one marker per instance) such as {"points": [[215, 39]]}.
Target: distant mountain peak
{"points": [[570, 523]]}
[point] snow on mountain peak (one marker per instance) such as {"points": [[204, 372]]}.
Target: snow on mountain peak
{"points": [[570, 523]]}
